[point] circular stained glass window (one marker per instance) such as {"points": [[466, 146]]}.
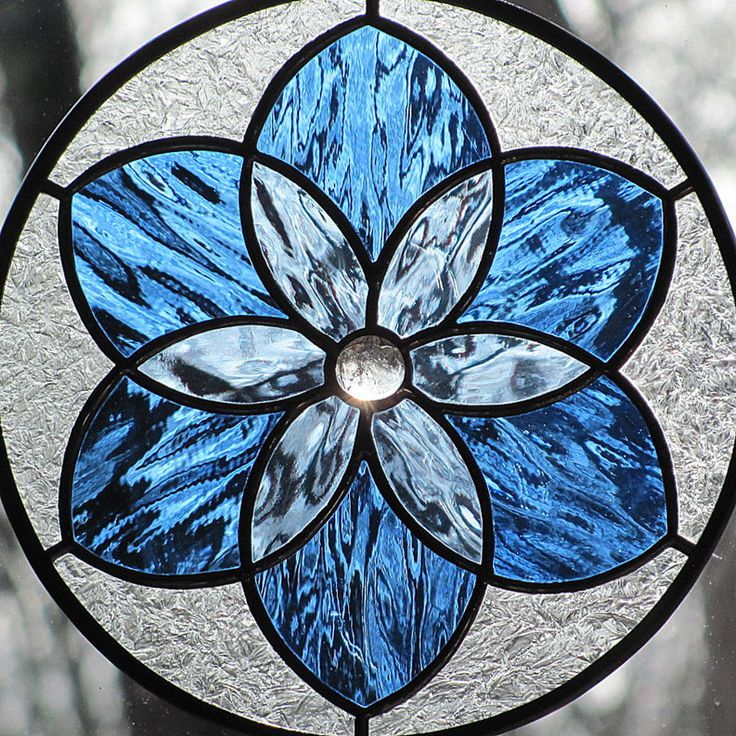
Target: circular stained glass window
{"points": [[368, 366]]}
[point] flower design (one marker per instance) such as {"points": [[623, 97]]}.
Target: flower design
{"points": [[367, 365]]}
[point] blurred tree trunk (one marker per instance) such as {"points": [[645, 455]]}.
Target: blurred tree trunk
{"points": [[549, 9], [719, 703], [40, 61]]}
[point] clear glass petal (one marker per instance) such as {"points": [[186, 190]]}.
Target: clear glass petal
{"points": [[374, 123], [158, 245], [578, 256], [364, 605], [485, 369], [438, 258], [157, 487], [430, 478], [240, 364], [576, 487], [308, 255], [303, 473]]}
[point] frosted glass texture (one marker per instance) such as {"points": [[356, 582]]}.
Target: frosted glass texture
{"points": [[684, 370], [219, 654], [50, 367]]}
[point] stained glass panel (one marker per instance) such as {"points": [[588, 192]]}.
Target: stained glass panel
{"points": [[346, 359]]}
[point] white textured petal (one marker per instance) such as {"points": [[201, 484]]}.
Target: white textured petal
{"points": [[241, 364], [486, 369], [303, 473], [430, 478], [438, 258], [308, 255]]}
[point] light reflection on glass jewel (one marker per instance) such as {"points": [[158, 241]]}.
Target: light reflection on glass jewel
{"points": [[370, 368]]}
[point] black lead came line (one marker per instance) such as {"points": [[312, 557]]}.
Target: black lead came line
{"points": [[52, 189], [684, 545], [59, 550], [682, 190]]}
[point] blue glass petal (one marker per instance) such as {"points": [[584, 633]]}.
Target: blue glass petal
{"points": [[158, 245], [578, 257], [430, 477], [438, 258], [240, 364], [157, 486], [374, 123], [309, 257], [364, 605], [576, 487], [485, 369]]}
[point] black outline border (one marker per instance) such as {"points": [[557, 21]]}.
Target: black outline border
{"points": [[697, 181]]}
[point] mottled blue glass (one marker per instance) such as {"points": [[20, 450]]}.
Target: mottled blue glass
{"points": [[364, 605], [158, 245], [576, 487], [578, 257], [374, 123], [157, 486]]}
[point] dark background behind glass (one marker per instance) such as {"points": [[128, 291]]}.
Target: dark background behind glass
{"points": [[52, 683]]}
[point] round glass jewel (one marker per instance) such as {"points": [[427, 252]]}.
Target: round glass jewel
{"points": [[370, 368]]}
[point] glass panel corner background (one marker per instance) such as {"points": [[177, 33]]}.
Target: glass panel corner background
{"points": [[678, 684]]}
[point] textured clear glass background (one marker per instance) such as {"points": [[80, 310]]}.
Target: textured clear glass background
{"points": [[667, 688]]}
